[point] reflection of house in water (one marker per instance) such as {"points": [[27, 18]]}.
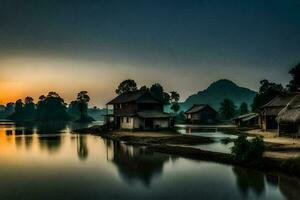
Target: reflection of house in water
{"points": [[135, 163]]}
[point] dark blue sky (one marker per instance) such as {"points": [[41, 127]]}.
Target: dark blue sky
{"points": [[191, 43]]}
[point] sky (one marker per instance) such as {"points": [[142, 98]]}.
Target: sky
{"points": [[72, 45]]}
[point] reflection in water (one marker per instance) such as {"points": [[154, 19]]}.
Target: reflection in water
{"points": [[51, 127], [50, 143], [135, 163], [289, 187], [82, 148], [113, 170], [248, 180]]}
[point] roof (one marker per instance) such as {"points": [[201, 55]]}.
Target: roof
{"points": [[291, 112], [271, 111], [134, 96], [246, 117], [280, 100], [153, 114], [197, 107]]}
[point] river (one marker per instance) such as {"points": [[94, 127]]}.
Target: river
{"points": [[49, 162]]}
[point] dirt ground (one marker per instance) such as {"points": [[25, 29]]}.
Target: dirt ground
{"points": [[292, 145]]}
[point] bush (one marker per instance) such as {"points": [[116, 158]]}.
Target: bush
{"points": [[244, 150]]}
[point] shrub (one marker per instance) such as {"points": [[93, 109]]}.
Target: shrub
{"points": [[244, 150]]}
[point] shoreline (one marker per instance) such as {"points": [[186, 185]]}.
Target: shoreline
{"points": [[170, 143]]}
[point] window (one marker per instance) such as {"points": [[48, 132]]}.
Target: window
{"points": [[122, 119], [127, 120]]}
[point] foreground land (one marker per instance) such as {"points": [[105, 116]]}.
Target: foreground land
{"points": [[279, 157]]}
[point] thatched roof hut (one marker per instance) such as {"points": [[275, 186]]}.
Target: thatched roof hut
{"points": [[271, 110], [291, 112]]}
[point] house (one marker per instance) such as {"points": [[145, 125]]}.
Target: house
{"points": [[201, 114], [271, 110], [247, 120], [138, 110], [288, 118]]}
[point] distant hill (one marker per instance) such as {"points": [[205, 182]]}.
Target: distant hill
{"points": [[218, 91]]}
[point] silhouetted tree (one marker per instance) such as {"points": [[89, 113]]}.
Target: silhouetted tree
{"points": [[126, 86], [227, 109], [83, 99], [19, 106], [144, 88], [294, 84], [243, 108], [174, 100], [74, 110], [267, 91], [29, 111], [10, 108], [52, 107], [158, 91], [175, 96]]}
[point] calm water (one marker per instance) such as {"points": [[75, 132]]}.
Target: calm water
{"points": [[48, 162]]}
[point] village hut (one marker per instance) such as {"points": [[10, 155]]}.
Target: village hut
{"points": [[271, 110], [201, 114], [247, 120], [138, 110], [289, 117]]}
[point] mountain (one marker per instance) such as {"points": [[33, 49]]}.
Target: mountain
{"points": [[217, 92]]}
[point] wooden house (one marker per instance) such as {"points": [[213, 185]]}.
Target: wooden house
{"points": [[138, 110], [201, 114], [271, 110], [288, 118], [247, 120]]}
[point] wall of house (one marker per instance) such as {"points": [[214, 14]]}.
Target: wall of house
{"points": [[161, 123], [125, 124], [125, 109], [138, 123]]}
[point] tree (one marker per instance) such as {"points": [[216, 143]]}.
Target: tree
{"points": [[175, 107], [126, 86], [174, 100], [10, 108], [158, 91], [243, 108], [227, 109], [74, 110], [175, 96], [19, 106], [267, 91], [294, 84], [83, 99], [52, 107], [144, 88], [29, 110]]}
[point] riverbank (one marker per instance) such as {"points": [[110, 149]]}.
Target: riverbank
{"points": [[170, 142]]}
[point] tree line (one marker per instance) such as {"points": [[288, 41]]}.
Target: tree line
{"points": [[49, 107], [267, 91], [53, 107]]}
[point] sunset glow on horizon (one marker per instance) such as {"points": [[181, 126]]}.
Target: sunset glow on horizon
{"points": [[94, 45]]}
